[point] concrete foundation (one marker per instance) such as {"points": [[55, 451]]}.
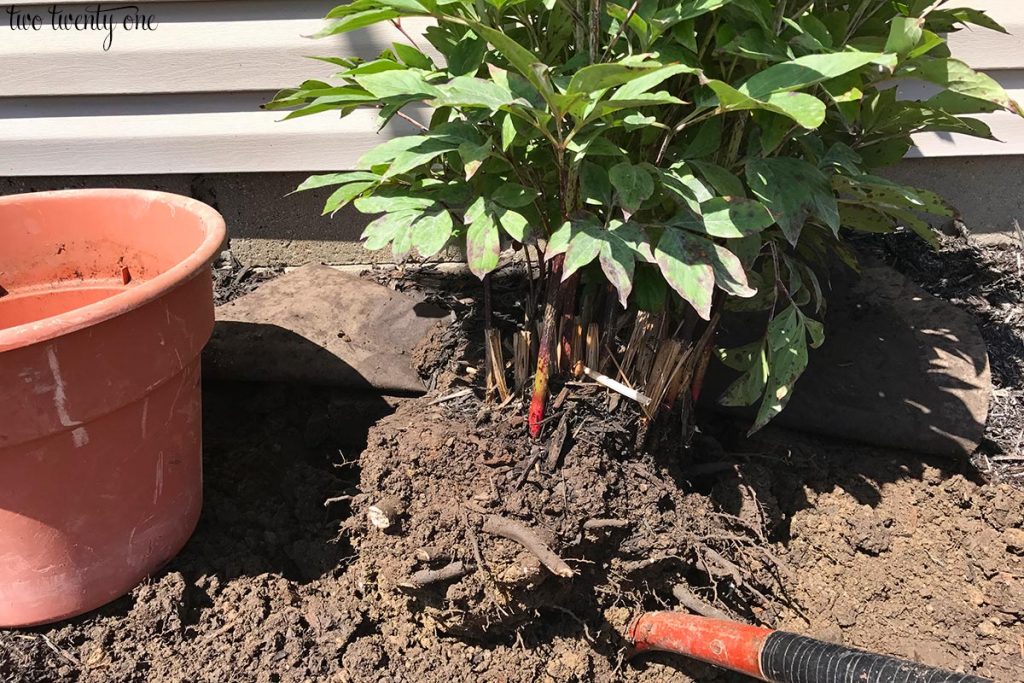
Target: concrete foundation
{"points": [[268, 226], [988, 191]]}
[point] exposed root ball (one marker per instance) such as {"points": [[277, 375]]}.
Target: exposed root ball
{"points": [[490, 534]]}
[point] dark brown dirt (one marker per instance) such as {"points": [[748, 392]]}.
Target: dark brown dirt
{"points": [[877, 549], [451, 475]]}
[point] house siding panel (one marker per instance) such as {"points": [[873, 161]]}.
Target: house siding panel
{"points": [[185, 98]]}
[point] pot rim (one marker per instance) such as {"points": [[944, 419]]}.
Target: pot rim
{"points": [[46, 329]]}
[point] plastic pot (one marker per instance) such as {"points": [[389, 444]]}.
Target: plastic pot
{"points": [[105, 304]]}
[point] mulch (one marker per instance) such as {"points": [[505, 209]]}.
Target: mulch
{"points": [[987, 280]]}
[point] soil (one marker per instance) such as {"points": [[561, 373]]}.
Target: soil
{"points": [[884, 550]]}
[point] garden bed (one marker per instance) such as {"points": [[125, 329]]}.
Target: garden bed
{"points": [[886, 550]]}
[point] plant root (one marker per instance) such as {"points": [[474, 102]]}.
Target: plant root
{"points": [[514, 531], [427, 577], [693, 603]]}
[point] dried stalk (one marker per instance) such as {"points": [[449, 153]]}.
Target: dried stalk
{"points": [[593, 346], [522, 345], [495, 359], [640, 351], [608, 327], [567, 325], [701, 357], [670, 359], [576, 356]]}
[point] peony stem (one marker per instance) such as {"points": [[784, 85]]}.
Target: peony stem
{"points": [[548, 332]]}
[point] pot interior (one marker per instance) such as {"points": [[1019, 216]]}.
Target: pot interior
{"points": [[62, 251]]}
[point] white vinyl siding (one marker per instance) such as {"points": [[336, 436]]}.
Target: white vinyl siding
{"points": [[185, 98], [1002, 57], [180, 99]]}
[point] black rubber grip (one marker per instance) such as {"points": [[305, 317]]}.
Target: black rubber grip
{"points": [[789, 658]]}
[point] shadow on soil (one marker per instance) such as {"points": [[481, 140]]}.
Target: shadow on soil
{"points": [[898, 368], [272, 455]]}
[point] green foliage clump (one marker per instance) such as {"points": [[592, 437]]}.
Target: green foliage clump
{"points": [[691, 154]]}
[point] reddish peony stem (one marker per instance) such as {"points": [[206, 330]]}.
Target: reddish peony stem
{"points": [[548, 332]]}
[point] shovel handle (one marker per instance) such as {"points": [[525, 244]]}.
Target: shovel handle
{"points": [[777, 656], [791, 658]]}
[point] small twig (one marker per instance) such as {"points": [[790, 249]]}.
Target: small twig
{"points": [[557, 442], [397, 23], [622, 26], [594, 524], [583, 624], [514, 531], [534, 457], [426, 577], [619, 387], [403, 115], [60, 653], [450, 397], [560, 399], [336, 499]]}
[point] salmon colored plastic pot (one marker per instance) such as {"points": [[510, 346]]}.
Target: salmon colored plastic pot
{"points": [[105, 304]]}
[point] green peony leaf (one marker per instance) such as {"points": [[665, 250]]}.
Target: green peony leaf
{"points": [[389, 202], [959, 78], [603, 76], [730, 276], [513, 223], [685, 263], [380, 232], [806, 110], [904, 34], [633, 184], [746, 390], [329, 179], [355, 21], [583, 248], [810, 70], [431, 232], [467, 56], [786, 365], [470, 92], [405, 83], [483, 245], [793, 190], [514, 195], [864, 219]]}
